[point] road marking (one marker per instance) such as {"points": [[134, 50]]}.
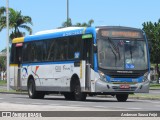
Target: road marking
{"points": [[136, 108]]}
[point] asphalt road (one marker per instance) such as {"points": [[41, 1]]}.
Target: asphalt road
{"points": [[19, 102], [155, 92]]}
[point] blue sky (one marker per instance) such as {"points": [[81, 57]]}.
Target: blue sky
{"points": [[50, 14]]}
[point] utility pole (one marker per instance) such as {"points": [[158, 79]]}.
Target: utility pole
{"points": [[67, 13], [7, 41]]}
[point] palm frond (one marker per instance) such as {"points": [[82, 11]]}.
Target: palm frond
{"points": [[27, 28]]}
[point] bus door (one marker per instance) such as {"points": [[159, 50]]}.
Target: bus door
{"points": [[18, 59], [88, 58]]}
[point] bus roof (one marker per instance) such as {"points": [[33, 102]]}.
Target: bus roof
{"points": [[55, 33], [63, 32], [58, 30]]}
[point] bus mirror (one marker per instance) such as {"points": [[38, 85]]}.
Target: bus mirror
{"points": [[95, 48]]}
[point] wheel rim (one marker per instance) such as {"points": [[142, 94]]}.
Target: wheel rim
{"points": [[31, 89]]}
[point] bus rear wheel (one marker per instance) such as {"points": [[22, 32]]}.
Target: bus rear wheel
{"points": [[122, 97], [32, 91]]}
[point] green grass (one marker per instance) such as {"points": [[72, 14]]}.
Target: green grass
{"points": [[13, 91], [145, 96], [3, 82], [154, 86]]}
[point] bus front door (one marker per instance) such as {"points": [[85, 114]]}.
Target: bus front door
{"points": [[88, 57]]}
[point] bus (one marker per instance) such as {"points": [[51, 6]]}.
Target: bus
{"points": [[81, 61]]}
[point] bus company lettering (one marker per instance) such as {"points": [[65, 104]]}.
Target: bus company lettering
{"points": [[66, 67], [72, 33], [58, 68]]}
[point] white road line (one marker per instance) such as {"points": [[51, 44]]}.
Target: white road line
{"points": [[136, 108]]}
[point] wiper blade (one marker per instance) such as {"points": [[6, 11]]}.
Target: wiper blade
{"points": [[114, 47]]}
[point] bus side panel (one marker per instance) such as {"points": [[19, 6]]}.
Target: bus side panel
{"points": [[42, 74], [67, 70], [94, 77]]}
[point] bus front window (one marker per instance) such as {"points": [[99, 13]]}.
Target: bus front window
{"points": [[116, 54]]}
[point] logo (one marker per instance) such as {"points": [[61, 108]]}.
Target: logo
{"points": [[124, 71], [6, 114], [58, 68]]}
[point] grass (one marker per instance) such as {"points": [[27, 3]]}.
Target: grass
{"points": [[145, 96], [3, 82], [154, 86], [12, 91]]}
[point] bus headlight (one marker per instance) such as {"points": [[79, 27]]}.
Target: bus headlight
{"points": [[102, 76], [145, 77]]}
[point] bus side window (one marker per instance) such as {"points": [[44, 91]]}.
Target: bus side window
{"points": [[74, 48], [88, 51]]}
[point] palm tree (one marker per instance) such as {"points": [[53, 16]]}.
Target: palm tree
{"points": [[89, 24], [16, 22], [67, 23], [2, 10]]}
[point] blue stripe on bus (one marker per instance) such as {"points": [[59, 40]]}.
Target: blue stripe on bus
{"points": [[148, 57], [53, 35], [124, 79], [60, 34], [47, 63], [93, 31], [95, 62]]}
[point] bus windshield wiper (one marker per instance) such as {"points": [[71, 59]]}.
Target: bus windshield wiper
{"points": [[115, 49]]}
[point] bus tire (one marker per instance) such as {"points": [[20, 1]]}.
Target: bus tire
{"points": [[122, 97], [69, 96], [33, 94], [78, 95]]}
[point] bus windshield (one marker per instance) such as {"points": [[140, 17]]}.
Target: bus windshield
{"points": [[122, 54]]}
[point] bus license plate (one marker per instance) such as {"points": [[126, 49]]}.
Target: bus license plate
{"points": [[124, 86]]}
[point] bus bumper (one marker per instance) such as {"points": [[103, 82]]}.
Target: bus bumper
{"points": [[104, 87]]}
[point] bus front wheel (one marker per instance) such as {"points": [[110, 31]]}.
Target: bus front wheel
{"points": [[122, 97], [69, 96], [32, 91], [79, 96]]}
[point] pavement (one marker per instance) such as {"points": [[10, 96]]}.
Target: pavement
{"points": [[154, 94]]}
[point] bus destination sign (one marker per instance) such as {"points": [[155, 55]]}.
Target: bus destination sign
{"points": [[121, 33]]}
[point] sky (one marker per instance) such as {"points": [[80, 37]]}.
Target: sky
{"points": [[50, 14]]}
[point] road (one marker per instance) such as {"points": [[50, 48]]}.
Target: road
{"points": [[58, 103], [21, 102]]}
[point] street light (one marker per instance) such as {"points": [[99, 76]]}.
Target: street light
{"points": [[67, 13], [7, 41]]}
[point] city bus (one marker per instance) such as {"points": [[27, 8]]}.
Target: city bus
{"points": [[81, 61]]}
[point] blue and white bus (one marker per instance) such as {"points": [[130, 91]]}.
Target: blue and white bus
{"points": [[79, 61]]}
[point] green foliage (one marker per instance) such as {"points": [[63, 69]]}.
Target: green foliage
{"points": [[3, 82], [67, 23], [2, 63], [89, 24], [152, 31], [16, 22]]}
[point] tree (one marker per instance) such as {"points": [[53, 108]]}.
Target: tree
{"points": [[3, 62], [89, 24], [16, 22], [67, 23], [152, 31]]}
